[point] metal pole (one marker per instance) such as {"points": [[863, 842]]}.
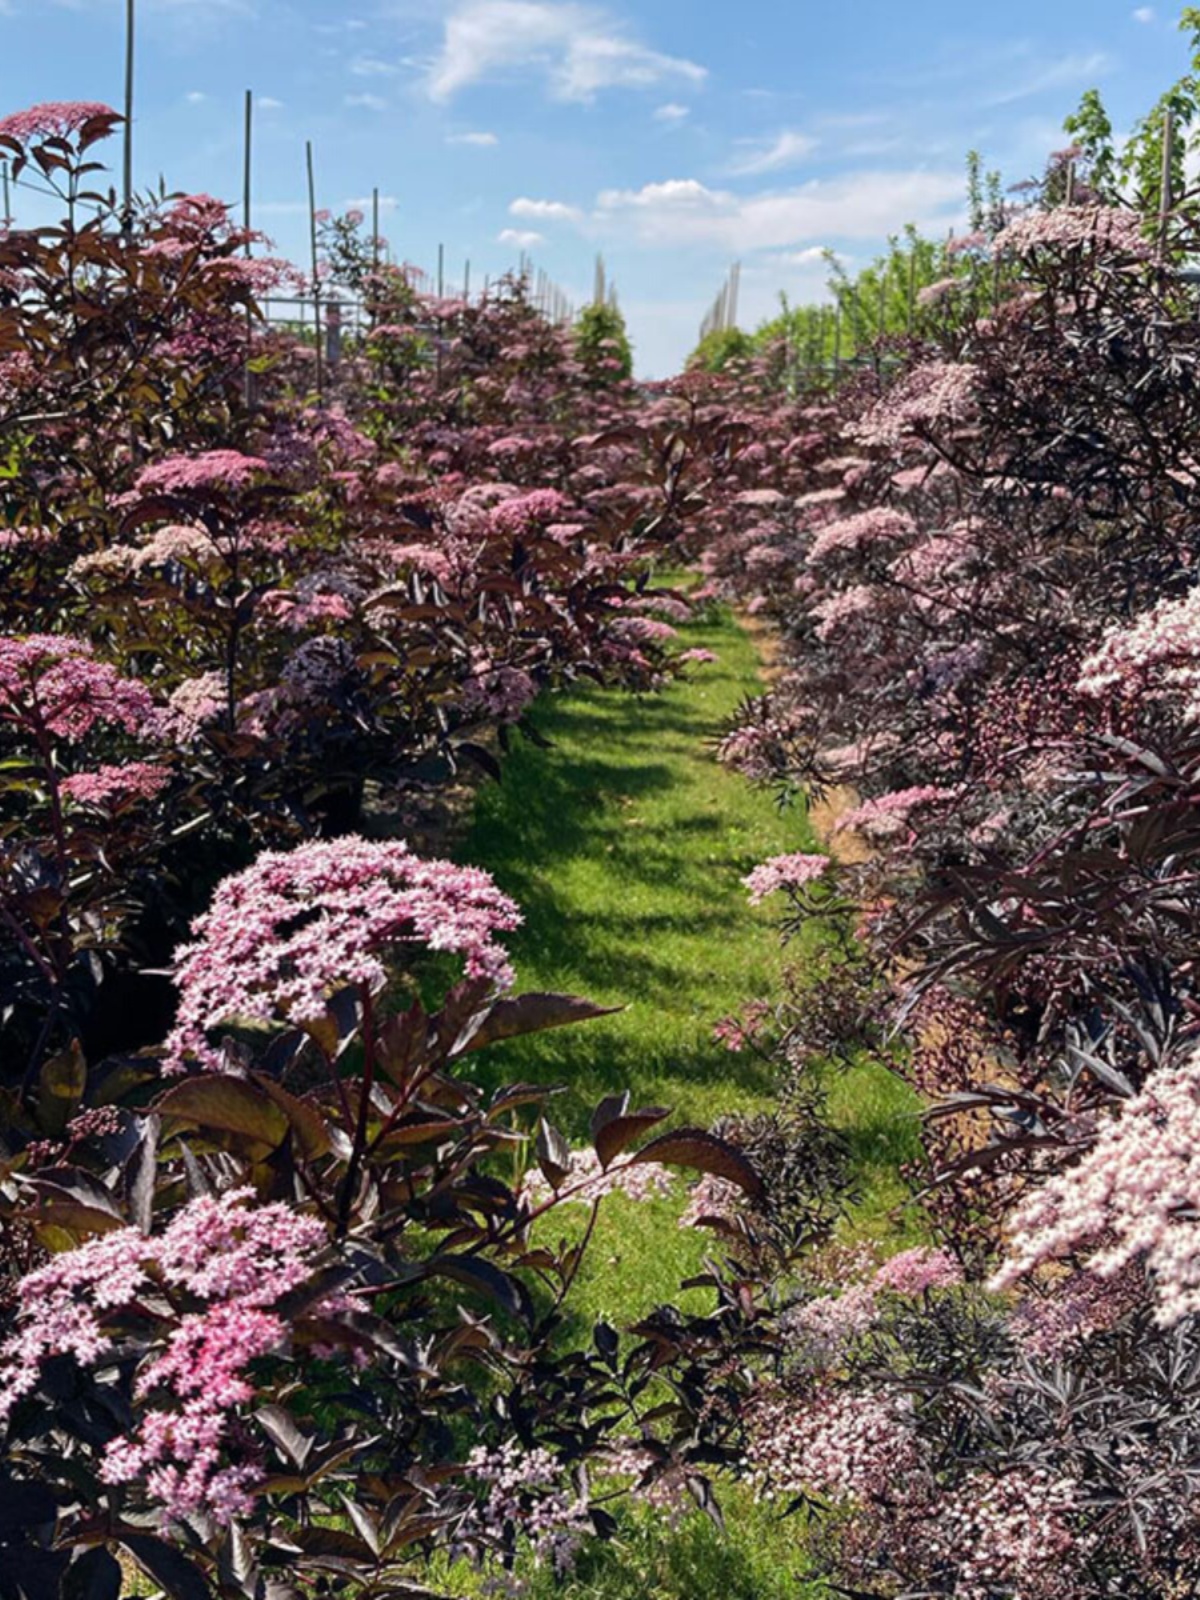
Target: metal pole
{"points": [[7, 197], [316, 281], [912, 289], [127, 165], [249, 135], [441, 270], [372, 308], [247, 376], [467, 282]]}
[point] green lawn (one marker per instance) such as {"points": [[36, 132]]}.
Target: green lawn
{"points": [[625, 843]]}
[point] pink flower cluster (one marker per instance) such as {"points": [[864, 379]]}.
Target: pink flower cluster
{"points": [[937, 557], [640, 1182], [1158, 653], [212, 469], [53, 119], [527, 1492], [298, 611], [53, 682], [1075, 1308], [1008, 1535], [116, 785], [934, 395], [888, 815], [833, 613], [1133, 1198], [784, 872], [880, 525], [189, 708], [501, 693], [525, 511], [1107, 228], [284, 934], [177, 544], [240, 1260], [826, 1325], [846, 1444]]}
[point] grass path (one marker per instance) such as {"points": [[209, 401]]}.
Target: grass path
{"points": [[624, 843]]}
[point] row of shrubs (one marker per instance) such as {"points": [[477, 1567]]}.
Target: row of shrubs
{"points": [[982, 572]]}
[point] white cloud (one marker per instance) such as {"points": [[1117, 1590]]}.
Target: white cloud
{"points": [[675, 192], [579, 49], [521, 238], [787, 149], [803, 258], [544, 210], [1063, 74], [266, 103], [367, 102], [196, 97], [672, 113], [482, 141], [861, 205], [373, 67], [1144, 15]]}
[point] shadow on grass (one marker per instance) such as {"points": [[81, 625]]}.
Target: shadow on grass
{"points": [[624, 844]]}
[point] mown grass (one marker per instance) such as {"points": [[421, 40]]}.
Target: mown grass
{"points": [[625, 843]]}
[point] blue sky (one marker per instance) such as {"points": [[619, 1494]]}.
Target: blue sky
{"points": [[672, 135]]}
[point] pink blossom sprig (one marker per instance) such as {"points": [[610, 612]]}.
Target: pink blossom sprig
{"points": [[54, 119], [526, 1493], [228, 470], [1157, 656], [935, 395], [53, 684], [239, 1261], [864, 531], [295, 926], [116, 785], [826, 1325], [1133, 1198], [1111, 229], [794, 871], [587, 1180], [846, 1444]]}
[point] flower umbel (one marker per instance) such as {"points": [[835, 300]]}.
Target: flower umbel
{"points": [[295, 926]]}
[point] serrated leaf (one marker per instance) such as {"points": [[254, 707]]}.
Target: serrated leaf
{"points": [[620, 1132], [702, 1152], [365, 1525], [167, 1566], [226, 1105], [280, 1427], [485, 1278], [553, 1153], [61, 1084], [534, 1013]]}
